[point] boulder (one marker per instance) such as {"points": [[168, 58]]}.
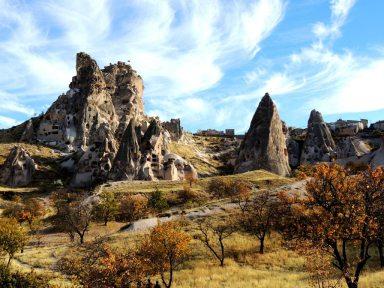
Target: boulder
{"points": [[264, 145], [319, 145], [18, 168]]}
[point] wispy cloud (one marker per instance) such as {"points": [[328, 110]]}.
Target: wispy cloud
{"points": [[179, 47]]}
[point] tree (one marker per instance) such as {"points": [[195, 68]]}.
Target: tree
{"points": [[33, 209], [98, 266], [336, 215], [133, 207], [190, 178], [108, 207], [74, 214], [371, 186], [28, 212], [258, 219], [166, 247], [13, 238], [157, 200], [242, 194], [212, 235]]}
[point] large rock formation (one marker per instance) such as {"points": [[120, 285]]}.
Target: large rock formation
{"points": [[74, 116], [264, 145], [101, 122], [18, 168], [319, 145]]}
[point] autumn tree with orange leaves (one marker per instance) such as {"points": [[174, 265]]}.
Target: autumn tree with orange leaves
{"points": [[337, 214], [165, 248]]}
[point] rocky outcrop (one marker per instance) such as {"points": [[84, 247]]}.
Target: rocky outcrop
{"points": [[127, 160], [96, 161], [177, 168], [126, 89], [319, 145], [351, 146], [174, 128], [153, 146], [264, 145], [110, 96], [18, 168], [28, 133]]}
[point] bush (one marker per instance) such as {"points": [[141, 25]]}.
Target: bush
{"points": [[219, 187], [133, 207], [157, 201], [224, 187], [19, 280]]}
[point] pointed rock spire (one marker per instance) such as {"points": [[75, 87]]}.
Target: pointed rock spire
{"points": [[126, 163], [319, 144], [264, 145]]}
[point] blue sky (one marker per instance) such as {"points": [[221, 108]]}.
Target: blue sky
{"points": [[206, 62]]}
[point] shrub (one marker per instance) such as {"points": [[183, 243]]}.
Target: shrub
{"points": [[19, 280], [157, 201]]}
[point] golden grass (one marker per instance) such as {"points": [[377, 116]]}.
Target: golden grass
{"points": [[34, 150], [244, 267], [260, 178]]}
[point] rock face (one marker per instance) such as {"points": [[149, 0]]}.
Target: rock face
{"points": [[264, 145], [112, 95], [101, 121], [319, 145], [127, 160], [28, 133], [350, 147], [18, 168], [174, 128], [71, 120], [96, 161]]}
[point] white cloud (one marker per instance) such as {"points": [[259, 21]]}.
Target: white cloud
{"points": [[7, 122], [179, 47], [339, 13], [362, 91]]}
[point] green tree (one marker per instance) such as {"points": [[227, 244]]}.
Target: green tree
{"points": [[108, 207]]}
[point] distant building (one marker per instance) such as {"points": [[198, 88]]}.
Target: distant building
{"points": [[348, 127], [214, 132]]}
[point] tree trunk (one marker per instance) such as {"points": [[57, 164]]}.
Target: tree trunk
{"points": [[81, 238], [9, 261], [261, 250], [381, 253]]}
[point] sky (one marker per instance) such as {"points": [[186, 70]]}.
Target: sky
{"points": [[206, 62]]}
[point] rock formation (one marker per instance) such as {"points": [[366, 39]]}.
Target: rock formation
{"points": [[18, 168], [264, 145], [319, 145], [100, 120], [350, 147], [174, 128], [96, 161], [28, 133], [127, 160]]}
